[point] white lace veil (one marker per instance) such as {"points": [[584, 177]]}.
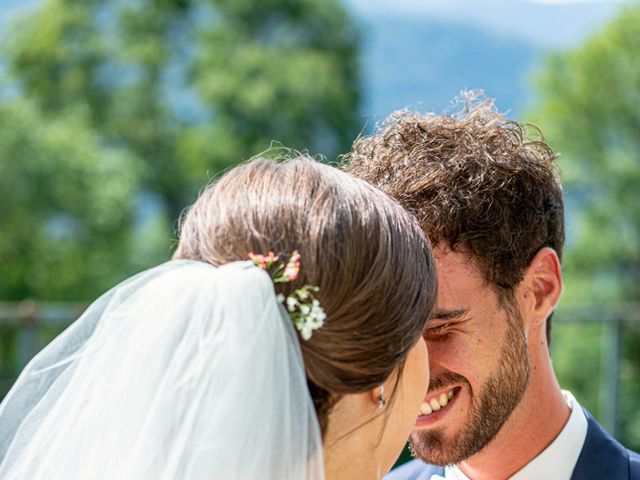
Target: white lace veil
{"points": [[185, 371]]}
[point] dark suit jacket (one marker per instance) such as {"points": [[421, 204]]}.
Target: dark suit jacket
{"points": [[601, 458]]}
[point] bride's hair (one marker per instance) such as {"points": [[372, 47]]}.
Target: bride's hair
{"points": [[368, 256]]}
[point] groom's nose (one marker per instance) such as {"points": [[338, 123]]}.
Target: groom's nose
{"points": [[437, 352]]}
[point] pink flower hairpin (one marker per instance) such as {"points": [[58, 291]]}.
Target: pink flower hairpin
{"points": [[302, 306]]}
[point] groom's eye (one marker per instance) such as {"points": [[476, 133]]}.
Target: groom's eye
{"points": [[445, 322], [436, 331]]}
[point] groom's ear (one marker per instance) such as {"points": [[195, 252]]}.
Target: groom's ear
{"points": [[541, 286]]}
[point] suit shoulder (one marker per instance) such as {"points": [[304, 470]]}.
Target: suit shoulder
{"points": [[414, 470], [604, 457], [634, 465]]}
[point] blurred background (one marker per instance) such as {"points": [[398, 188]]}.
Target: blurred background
{"points": [[114, 113]]}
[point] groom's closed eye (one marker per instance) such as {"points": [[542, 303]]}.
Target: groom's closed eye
{"points": [[435, 332], [443, 322]]}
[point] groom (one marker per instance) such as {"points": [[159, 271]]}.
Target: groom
{"points": [[486, 192]]}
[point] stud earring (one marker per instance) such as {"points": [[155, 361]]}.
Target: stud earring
{"points": [[381, 401]]}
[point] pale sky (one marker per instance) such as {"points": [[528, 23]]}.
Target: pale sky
{"points": [[563, 2]]}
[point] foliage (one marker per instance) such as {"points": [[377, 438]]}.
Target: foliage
{"points": [[590, 111], [193, 86], [281, 70], [67, 207]]}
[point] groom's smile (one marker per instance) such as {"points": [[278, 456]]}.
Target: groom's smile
{"points": [[436, 404]]}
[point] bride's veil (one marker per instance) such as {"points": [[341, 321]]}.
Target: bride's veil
{"points": [[185, 371]]}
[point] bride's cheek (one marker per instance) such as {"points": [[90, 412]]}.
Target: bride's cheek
{"points": [[420, 378], [415, 381]]}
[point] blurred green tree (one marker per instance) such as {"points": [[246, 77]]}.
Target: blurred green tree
{"points": [[193, 86], [67, 207], [589, 109]]}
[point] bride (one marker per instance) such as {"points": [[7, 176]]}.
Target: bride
{"points": [[283, 341]]}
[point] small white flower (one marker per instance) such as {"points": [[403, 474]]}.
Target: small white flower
{"points": [[305, 311], [307, 328], [318, 312], [280, 298]]}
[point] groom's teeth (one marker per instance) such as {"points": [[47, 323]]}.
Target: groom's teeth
{"points": [[435, 404]]}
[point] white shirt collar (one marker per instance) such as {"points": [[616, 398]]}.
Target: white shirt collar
{"points": [[557, 461]]}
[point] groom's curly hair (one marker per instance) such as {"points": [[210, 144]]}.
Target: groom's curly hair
{"points": [[368, 256], [476, 180]]}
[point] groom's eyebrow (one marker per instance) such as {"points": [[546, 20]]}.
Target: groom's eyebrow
{"points": [[449, 314]]}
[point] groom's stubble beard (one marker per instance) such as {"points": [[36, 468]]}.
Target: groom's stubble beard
{"points": [[490, 407]]}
